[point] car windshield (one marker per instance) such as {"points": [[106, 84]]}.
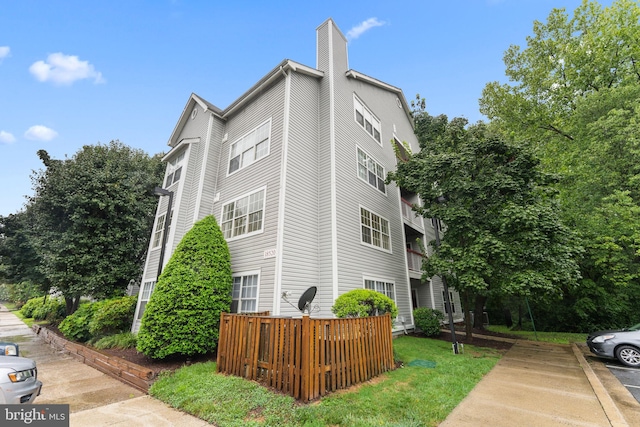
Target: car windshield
{"points": [[634, 328]]}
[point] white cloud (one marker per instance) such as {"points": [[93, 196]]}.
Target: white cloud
{"points": [[64, 70], [6, 137], [4, 52], [364, 26], [40, 133]]}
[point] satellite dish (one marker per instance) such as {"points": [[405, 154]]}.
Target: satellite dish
{"points": [[305, 300]]}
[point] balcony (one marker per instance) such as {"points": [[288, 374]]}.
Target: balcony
{"points": [[411, 217], [414, 260]]}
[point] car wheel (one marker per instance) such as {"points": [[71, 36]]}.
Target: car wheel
{"points": [[628, 355]]}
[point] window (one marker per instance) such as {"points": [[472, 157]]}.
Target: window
{"points": [[145, 295], [366, 119], [385, 288], [244, 295], [250, 148], [444, 302], [159, 230], [375, 230], [243, 216], [371, 171], [174, 170]]}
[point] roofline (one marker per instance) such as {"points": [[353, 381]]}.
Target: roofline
{"points": [[375, 82], [193, 98], [278, 72]]}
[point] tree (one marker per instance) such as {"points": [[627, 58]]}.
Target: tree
{"points": [[503, 233], [183, 314], [92, 215], [565, 60], [19, 260], [574, 96]]}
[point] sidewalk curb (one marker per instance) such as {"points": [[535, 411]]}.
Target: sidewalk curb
{"points": [[608, 405]]}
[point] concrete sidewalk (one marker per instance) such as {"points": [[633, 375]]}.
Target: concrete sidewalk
{"points": [[94, 398], [541, 384]]}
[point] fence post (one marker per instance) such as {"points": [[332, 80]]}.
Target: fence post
{"points": [[305, 365]]}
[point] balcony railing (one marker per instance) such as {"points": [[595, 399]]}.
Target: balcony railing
{"points": [[414, 260], [409, 215]]}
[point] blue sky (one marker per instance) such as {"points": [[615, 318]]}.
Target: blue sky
{"points": [[76, 73]]}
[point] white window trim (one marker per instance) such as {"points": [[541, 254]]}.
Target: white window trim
{"points": [[151, 286], [161, 231], [356, 101], [243, 274], [380, 279], [253, 233], [244, 136], [371, 245], [384, 171]]}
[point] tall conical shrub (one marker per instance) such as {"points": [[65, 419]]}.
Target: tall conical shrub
{"points": [[183, 314]]}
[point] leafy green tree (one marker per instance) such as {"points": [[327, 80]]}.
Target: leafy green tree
{"points": [[575, 97], [566, 59], [19, 261], [183, 314], [503, 232], [91, 219]]}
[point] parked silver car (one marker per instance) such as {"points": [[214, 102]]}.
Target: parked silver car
{"points": [[18, 380], [621, 344]]}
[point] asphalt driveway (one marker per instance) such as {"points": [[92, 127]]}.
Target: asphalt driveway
{"points": [[628, 377]]}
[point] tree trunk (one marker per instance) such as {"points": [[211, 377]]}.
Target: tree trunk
{"points": [[478, 312], [71, 304]]}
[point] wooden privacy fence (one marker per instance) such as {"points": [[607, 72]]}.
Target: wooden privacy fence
{"points": [[304, 357]]}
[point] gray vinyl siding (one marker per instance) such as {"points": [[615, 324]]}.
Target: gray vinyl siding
{"points": [[324, 209], [300, 252], [247, 253], [356, 259], [212, 163]]}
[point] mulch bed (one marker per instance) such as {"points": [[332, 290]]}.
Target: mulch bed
{"points": [[172, 364]]}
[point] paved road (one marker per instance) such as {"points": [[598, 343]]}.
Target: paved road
{"points": [[94, 399], [629, 377]]}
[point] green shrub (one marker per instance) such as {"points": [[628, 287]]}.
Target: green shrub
{"points": [[183, 314], [428, 320], [364, 303], [76, 326], [53, 310], [122, 340], [31, 305], [5, 292], [20, 293], [113, 316]]}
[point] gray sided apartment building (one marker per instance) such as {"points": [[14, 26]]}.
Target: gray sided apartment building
{"points": [[294, 171]]}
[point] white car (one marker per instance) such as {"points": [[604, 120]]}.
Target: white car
{"points": [[18, 380]]}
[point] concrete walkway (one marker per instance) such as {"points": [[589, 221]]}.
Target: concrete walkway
{"points": [[541, 384], [94, 399]]}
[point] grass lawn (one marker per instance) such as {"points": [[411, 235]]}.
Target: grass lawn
{"points": [[553, 337], [408, 396]]}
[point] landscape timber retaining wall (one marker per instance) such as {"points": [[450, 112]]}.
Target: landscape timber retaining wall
{"points": [[129, 373]]}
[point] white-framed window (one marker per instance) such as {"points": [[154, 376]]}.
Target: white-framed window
{"points": [[365, 118], [370, 171], [244, 215], [385, 287], [145, 295], [374, 230], [244, 294], [251, 147], [174, 170], [444, 302], [158, 232]]}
